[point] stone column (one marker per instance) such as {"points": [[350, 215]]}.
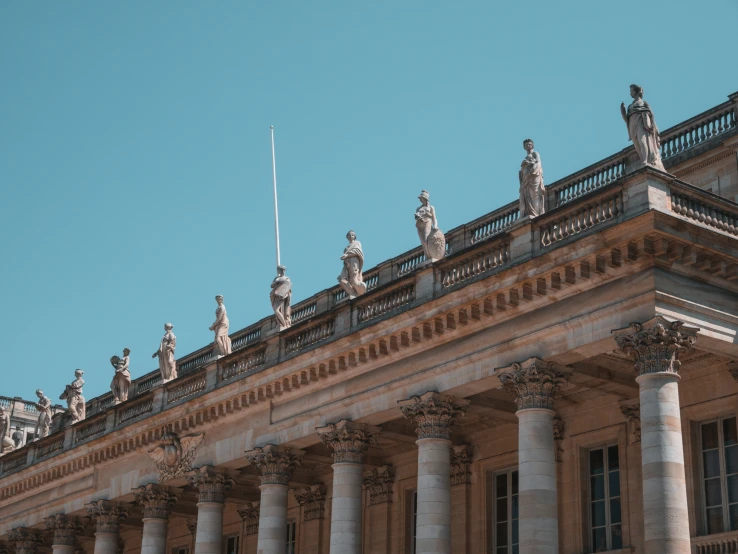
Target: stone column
{"points": [[378, 483], [655, 346], [349, 442], [535, 384], [107, 516], [211, 484], [434, 415], [24, 540], [276, 464], [155, 501], [64, 530]]}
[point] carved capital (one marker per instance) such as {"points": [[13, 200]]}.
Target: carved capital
{"points": [[378, 482], [656, 344], [348, 440], [25, 540], [632, 412], [733, 368], [534, 382], [558, 432], [433, 413], [64, 529], [211, 484], [276, 463], [250, 515], [192, 526], [107, 515], [461, 458], [155, 500], [312, 500]]}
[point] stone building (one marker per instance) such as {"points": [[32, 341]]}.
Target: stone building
{"points": [[23, 416], [565, 383]]}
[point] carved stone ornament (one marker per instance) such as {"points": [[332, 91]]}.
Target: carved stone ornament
{"points": [[25, 540], [312, 500], [4, 548], [348, 440], [656, 344], [433, 413], [534, 382], [64, 529], [250, 515], [733, 368], [461, 458], [107, 515], [174, 455], [192, 526], [276, 463], [632, 412], [155, 501], [558, 432], [211, 484], [378, 482]]}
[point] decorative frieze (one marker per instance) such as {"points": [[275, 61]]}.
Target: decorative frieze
{"points": [[656, 344], [461, 458], [632, 412], [107, 515], [25, 540], [433, 413], [250, 515], [155, 501], [64, 529], [558, 432], [276, 463], [312, 500], [211, 484], [174, 455], [534, 382], [378, 481], [348, 440]]}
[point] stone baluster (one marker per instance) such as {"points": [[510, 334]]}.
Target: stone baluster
{"points": [[24, 540], [349, 442], [655, 346], [64, 530], [434, 414], [155, 500], [535, 384], [276, 464], [107, 516], [211, 485]]}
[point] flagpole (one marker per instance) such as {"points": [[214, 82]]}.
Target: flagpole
{"points": [[276, 209]]}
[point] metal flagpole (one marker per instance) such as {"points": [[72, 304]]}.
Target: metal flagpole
{"points": [[276, 209]]}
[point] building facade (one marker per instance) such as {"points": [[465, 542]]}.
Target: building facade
{"points": [[23, 417], [564, 383]]}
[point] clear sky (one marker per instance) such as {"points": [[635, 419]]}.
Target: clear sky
{"points": [[135, 163]]}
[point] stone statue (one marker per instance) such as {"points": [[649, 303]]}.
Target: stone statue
{"points": [[431, 237], [6, 443], [222, 340], [73, 395], [642, 129], [17, 436], [281, 295], [532, 191], [351, 278], [43, 425], [122, 378], [167, 363]]}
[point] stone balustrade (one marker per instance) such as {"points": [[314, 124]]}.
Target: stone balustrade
{"points": [[720, 543], [715, 122]]}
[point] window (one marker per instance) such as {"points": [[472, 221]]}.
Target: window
{"points": [[291, 536], [605, 522], [181, 550], [505, 513], [413, 521], [719, 441], [231, 544]]}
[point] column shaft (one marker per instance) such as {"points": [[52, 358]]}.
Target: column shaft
{"points": [[62, 549], [272, 520], [209, 534], [154, 536], [106, 543], [346, 509], [433, 529]]}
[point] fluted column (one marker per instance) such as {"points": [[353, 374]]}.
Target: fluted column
{"points": [[276, 464], [211, 485], [349, 442], [64, 530], [434, 415], [155, 501], [535, 384], [655, 346], [24, 540], [107, 516]]}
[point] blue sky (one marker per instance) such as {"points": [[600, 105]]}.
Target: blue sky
{"points": [[135, 159]]}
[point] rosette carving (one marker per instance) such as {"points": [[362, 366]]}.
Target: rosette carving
{"points": [[155, 501], [276, 463], [378, 482], [534, 382], [107, 515], [433, 413], [250, 515], [348, 440], [211, 484], [312, 500], [64, 529]]}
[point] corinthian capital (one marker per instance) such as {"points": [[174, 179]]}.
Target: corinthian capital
{"points": [[107, 515], [24, 540], [276, 463], [64, 529], [155, 500], [250, 516], [433, 413], [211, 483], [534, 382], [312, 500], [378, 482], [348, 440]]}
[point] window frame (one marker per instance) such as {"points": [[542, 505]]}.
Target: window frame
{"points": [[508, 472], [723, 472], [608, 523], [228, 537], [291, 534], [179, 549]]}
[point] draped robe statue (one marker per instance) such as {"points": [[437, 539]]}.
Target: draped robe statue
{"points": [[43, 424], [167, 363], [222, 340], [431, 237], [532, 191], [351, 278], [6, 442], [73, 395], [122, 378], [642, 129], [281, 297]]}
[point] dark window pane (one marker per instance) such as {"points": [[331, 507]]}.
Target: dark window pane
{"points": [[599, 540], [733, 488], [515, 482], [615, 483], [709, 436], [731, 460], [502, 550], [711, 462], [713, 494], [733, 517], [501, 486], [596, 462], [715, 520], [617, 537], [730, 436], [598, 513], [502, 534], [613, 462], [501, 509], [515, 507], [597, 487], [615, 511], [515, 537], [515, 549]]}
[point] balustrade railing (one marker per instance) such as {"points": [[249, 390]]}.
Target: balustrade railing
{"points": [[581, 218], [244, 364], [49, 446], [495, 223], [304, 312], [147, 382], [188, 365], [720, 543], [309, 336], [5, 402], [583, 182], [89, 430], [408, 264], [179, 390], [386, 302], [13, 461], [478, 264], [130, 412], [696, 206], [242, 341], [698, 130]]}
